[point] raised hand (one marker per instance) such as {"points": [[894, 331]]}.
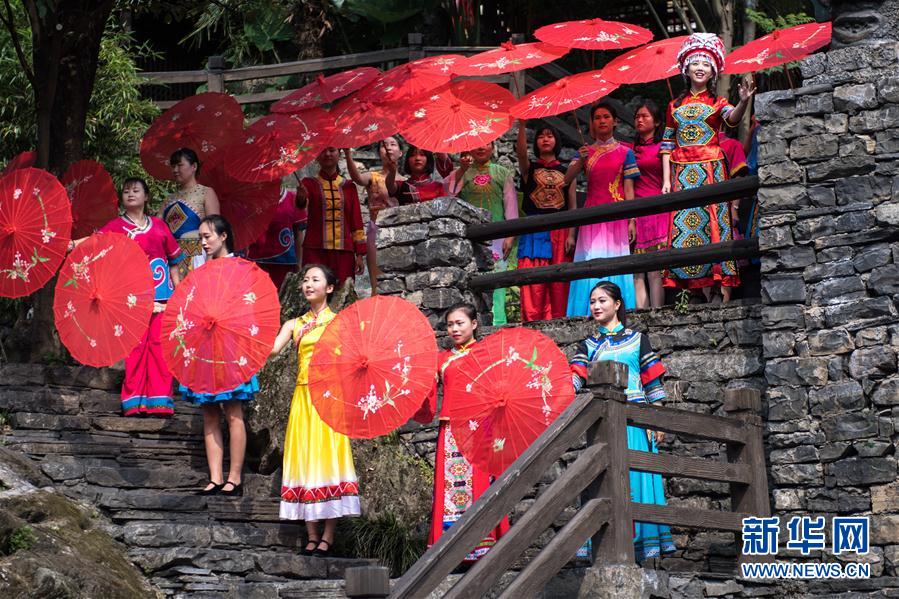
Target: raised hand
{"points": [[746, 91]]}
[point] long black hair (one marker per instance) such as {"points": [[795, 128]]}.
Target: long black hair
{"points": [[429, 157], [221, 227], [614, 292], [656, 112]]}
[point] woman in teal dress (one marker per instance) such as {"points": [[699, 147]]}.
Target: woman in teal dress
{"points": [[613, 341]]}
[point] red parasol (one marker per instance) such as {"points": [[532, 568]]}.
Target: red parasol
{"points": [[278, 144], [35, 228], [563, 95], [220, 324], [326, 89], [458, 116], [778, 47], [249, 207], [93, 196], [594, 34], [515, 383], [104, 299], [360, 123], [411, 79], [510, 57], [651, 62], [21, 160], [205, 123], [368, 376]]}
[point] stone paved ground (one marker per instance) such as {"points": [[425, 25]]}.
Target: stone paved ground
{"points": [[142, 474]]}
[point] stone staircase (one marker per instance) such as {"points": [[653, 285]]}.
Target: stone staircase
{"points": [[142, 474]]}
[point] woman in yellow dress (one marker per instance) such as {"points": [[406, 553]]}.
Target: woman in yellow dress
{"points": [[318, 478]]}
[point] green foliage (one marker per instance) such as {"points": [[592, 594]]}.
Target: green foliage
{"points": [[768, 24], [384, 11], [682, 301], [22, 539], [117, 117], [4, 418], [383, 538], [254, 29]]}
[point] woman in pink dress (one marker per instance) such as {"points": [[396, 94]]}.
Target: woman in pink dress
{"points": [[611, 169], [651, 231], [147, 389]]}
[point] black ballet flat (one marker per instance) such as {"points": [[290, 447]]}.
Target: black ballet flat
{"points": [[214, 490], [307, 551], [236, 491], [319, 552]]}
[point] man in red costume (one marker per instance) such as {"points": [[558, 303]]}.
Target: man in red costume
{"points": [[334, 233]]}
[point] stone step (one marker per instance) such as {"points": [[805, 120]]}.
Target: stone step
{"points": [[195, 532]]}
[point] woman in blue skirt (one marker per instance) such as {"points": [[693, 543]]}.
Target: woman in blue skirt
{"points": [[613, 341]]}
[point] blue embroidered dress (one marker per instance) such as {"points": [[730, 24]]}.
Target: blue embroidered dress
{"points": [[644, 384]]}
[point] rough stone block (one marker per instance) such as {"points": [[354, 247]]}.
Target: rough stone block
{"points": [[812, 228], [821, 195], [794, 455], [814, 147], [852, 98], [773, 151], [888, 89], [796, 371], [454, 207], [850, 425], [744, 332], [447, 227], [787, 403], [441, 276], [775, 105], [783, 197], [872, 362], [855, 313], [829, 342], [887, 142], [837, 168], [62, 468], [402, 235], [783, 289], [391, 286], [886, 394], [720, 366], [837, 290], [836, 123], [888, 213], [400, 215], [853, 472], [797, 474], [440, 298], [778, 317], [820, 272], [884, 280], [396, 259], [781, 173], [856, 220], [871, 121], [777, 344], [791, 127], [443, 252], [777, 237], [836, 397], [816, 104], [871, 257], [857, 145]]}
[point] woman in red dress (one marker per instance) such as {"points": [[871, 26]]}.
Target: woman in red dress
{"points": [[457, 482]]}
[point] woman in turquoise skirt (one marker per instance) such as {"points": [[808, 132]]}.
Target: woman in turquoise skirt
{"points": [[613, 341]]}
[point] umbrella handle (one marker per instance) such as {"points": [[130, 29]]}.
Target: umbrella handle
{"points": [[789, 77], [670, 91], [578, 123]]}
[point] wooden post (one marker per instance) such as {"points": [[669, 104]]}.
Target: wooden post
{"points": [[614, 543], [416, 45], [215, 74], [745, 405], [367, 582]]}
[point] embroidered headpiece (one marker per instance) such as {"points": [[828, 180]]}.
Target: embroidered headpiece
{"points": [[702, 46]]}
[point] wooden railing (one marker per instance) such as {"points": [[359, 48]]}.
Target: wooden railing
{"points": [[602, 267], [599, 476]]}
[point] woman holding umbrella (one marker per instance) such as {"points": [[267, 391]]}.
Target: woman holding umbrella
{"points": [[423, 181], [457, 482], [183, 210], [613, 341], [217, 239], [611, 168], [147, 388], [692, 156], [319, 478]]}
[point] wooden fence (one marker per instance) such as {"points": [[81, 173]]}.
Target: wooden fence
{"points": [[602, 267], [599, 477]]}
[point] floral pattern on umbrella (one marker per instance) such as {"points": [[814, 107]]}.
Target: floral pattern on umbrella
{"points": [[325, 89], [510, 57], [93, 195], [35, 228], [563, 95], [778, 47], [593, 34]]}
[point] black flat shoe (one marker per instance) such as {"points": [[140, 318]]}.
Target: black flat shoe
{"points": [[307, 550], [319, 552], [213, 490], [235, 491]]}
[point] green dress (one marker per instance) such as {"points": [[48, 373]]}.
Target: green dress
{"points": [[492, 188]]}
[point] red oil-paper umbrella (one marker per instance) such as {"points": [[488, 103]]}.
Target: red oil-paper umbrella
{"points": [[594, 34], [93, 195], [778, 47], [412, 79], [21, 160], [459, 116], [249, 207], [368, 376], [219, 325], [205, 123], [104, 299], [651, 62], [514, 384], [325, 90], [278, 144], [563, 95], [35, 230], [360, 123], [510, 57]]}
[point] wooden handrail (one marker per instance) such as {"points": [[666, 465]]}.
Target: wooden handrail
{"points": [[670, 420], [701, 469], [679, 200], [634, 263], [687, 517]]}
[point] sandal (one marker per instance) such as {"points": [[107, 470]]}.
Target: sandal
{"points": [[319, 552], [235, 491], [310, 550], [213, 490]]}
